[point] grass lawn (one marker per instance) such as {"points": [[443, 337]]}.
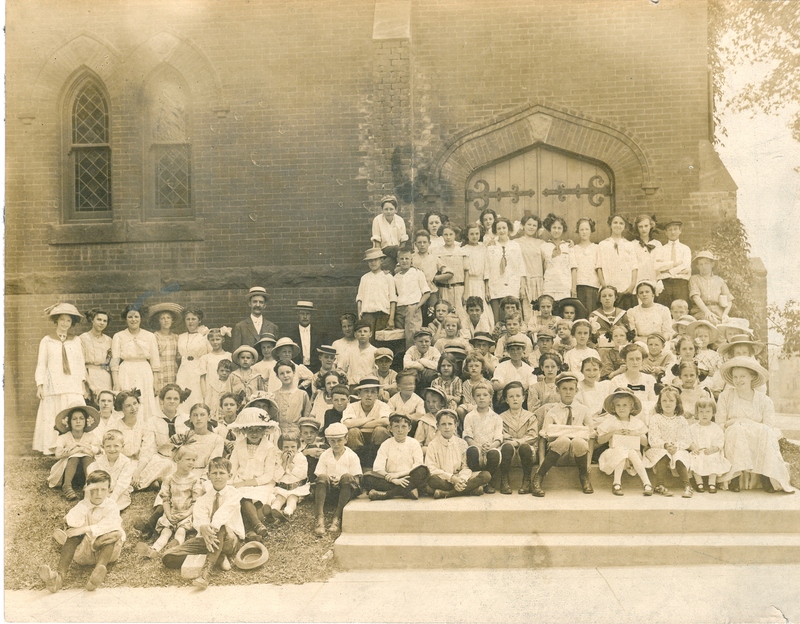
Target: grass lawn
{"points": [[33, 511]]}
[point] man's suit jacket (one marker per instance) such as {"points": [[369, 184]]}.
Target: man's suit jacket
{"points": [[244, 332], [317, 339]]}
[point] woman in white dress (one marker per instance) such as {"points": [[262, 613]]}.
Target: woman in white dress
{"points": [[751, 438], [60, 375], [192, 345], [644, 245], [557, 259], [135, 359], [97, 352], [475, 269]]}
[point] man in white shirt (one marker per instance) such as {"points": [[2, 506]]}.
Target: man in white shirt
{"points": [[307, 336], [398, 469], [673, 262]]}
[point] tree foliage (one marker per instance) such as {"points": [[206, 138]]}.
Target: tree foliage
{"points": [[764, 32], [729, 243], [786, 321]]}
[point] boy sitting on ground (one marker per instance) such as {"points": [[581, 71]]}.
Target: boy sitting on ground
{"points": [[217, 518], [94, 537]]}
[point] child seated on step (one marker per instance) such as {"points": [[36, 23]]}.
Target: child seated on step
{"points": [[338, 473], [566, 429], [543, 391], [707, 448], [291, 476], [574, 357], [520, 435], [691, 390], [94, 535], [513, 324], [253, 469], [446, 459], [669, 440], [611, 356], [642, 384], [449, 380], [406, 401], [625, 435], [658, 359], [382, 371], [178, 493], [216, 387], [452, 334], [435, 401], [483, 432], [482, 344], [398, 470], [119, 467], [228, 409], [564, 340], [217, 518]]}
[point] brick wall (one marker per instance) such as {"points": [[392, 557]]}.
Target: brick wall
{"points": [[300, 121]]}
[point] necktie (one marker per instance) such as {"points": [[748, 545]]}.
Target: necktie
{"points": [[503, 261], [636, 387], [170, 428], [672, 252], [215, 506], [569, 414], [64, 358]]}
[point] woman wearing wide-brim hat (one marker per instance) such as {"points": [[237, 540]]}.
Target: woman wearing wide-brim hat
{"points": [[60, 374], [166, 321], [709, 296], [751, 437]]}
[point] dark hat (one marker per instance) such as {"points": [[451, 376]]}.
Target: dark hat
{"points": [[62, 419], [458, 351], [673, 222], [367, 382], [384, 353], [482, 337], [423, 332], [250, 556], [580, 309], [397, 415], [545, 333]]}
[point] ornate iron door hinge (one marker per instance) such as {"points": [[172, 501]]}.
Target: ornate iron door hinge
{"points": [[481, 195], [597, 190]]}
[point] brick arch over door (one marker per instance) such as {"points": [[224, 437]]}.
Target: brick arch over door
{"points": [[539, 125]]}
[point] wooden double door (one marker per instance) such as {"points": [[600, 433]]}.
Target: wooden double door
{"points": [[541, 180]]}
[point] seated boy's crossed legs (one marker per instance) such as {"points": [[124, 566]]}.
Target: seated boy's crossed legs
{"points": [[417, 479], [228, 545]]}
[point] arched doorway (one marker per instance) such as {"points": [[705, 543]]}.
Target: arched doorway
{"points": [[539, 180]]}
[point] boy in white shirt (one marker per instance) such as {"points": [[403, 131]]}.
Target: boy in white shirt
{"points": [[217, 518], [398, 469], [94, 537], [412, 294], [359, 361], [388, 228], [377, 295], [423, 358], [367, 417], [446, 459], [339, 472], [406, 401], [673, 262]]}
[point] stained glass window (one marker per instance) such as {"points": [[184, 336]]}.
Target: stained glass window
{"points": [[91, 153]]}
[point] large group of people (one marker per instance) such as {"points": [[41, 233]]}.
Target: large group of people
{"points": [[466, 350]]}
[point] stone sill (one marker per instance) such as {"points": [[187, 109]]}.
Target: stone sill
{"points": [[125, 232]]}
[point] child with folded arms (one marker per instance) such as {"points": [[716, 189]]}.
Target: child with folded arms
{"points": [[291, 476]]}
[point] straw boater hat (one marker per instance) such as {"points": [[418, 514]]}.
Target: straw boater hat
{"points": [[244, 349], [336, 430], [481, 337], [744, 362], [252, 417], [367, 382], [287, 342], [580, 309], [251, 556], [62, 418], [458, 351], [54, 311], [373, 254], [175, 311], [329, 350], [608, 404], [307, 306], [713, 334], [257, 290], [742, 339], [267, 397], [704, 254]]}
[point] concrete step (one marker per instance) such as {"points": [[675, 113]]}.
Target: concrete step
{"points": [[492, 550], [564, 511]]}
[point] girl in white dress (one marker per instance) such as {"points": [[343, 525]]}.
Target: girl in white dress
{"points": [[134, 360], [291, 476], [75, 448], [474, 272], [644, 245], [531, 246], [669, 440], [557, 259], [708, 442], [432, 222], [622, 407], [592, 392], [192, 346], [504, 273], [60, 375], [585, 283]]}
